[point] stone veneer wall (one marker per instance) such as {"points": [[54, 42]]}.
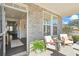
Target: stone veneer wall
{"points": [[35, 23]]}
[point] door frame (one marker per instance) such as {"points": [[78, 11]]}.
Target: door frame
{"points": [[4, 27]]}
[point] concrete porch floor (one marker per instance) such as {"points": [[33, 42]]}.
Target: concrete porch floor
{"points": [[67, 50], [64, 51]]}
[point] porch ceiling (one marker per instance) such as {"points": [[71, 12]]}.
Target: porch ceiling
{"points": [[62, 9], [14, 13]]}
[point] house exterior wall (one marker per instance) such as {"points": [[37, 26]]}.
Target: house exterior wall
{"points": [[35, 23]]}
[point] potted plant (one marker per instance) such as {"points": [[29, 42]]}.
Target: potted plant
{"points": [[38, 45]]}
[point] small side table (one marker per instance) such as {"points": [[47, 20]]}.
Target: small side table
{"points": [[58, 44]]}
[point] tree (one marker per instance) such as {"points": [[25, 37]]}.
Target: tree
{"points": [[74, 23], [67, 29]]}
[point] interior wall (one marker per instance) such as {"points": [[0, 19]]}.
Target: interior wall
{"points": [[20, 27]]}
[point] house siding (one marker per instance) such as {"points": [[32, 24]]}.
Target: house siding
{"points": [[35, 23]]}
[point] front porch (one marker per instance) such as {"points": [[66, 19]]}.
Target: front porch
{"points": [[64, 51], [39, 22]]}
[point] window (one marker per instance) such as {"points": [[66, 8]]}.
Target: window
{"points": [[50, 24], [46, 26], [46, 29]]}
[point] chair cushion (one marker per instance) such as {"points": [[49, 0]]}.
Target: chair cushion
{"points": [[52, 42], [50, 46]]}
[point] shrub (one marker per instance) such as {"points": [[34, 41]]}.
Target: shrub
{"points": [[75, 38], [38, 44]]}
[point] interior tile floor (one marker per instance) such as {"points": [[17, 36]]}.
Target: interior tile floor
{"points": [[17, 46]]}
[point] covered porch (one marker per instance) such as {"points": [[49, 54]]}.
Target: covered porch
{"points": [[40, 20]]}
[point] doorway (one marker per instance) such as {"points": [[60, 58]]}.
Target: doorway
{"points": [[16, 35], [12, 29]]}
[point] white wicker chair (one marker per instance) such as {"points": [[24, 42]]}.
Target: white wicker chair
{"points": [[49, 40], [65, 39]]}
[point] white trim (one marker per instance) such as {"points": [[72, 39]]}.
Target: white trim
{"points": [[28, 49], [3, 29], [47, 12], [15, 8], [4, 25], [51, 29], [43, 24]]}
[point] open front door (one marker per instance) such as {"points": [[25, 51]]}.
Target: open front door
{"points": [[2, 30]]}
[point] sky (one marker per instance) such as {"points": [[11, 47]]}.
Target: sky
{"points": [[66, 19]]}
